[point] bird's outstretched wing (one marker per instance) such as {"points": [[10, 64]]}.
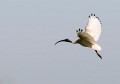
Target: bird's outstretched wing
{"points": [[94, 27]]}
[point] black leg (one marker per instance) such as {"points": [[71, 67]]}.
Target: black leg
{"points": [[98, 54]]}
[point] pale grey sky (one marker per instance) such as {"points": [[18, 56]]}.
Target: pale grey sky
{"points": [[29, 29]]}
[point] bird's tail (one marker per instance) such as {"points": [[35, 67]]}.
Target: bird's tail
{"points": [[96, 47]]}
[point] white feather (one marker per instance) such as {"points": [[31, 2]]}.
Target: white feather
{"points": [[94, 27], [96, 47]]}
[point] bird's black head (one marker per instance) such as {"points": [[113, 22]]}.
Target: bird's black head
{"points": [[67, 40]]}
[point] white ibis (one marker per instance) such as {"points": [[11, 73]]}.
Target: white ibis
{"points": [[90, 36]]}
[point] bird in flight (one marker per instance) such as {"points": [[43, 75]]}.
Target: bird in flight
{"points": [[90, 36]]}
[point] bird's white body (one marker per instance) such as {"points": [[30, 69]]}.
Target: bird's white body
{"points": [[87, 41], [90, 36]]}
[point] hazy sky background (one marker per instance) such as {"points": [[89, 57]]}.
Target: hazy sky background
{"points": [[29, 29]]}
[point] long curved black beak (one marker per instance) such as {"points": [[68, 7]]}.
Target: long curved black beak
{"points": [[65, 40]]}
